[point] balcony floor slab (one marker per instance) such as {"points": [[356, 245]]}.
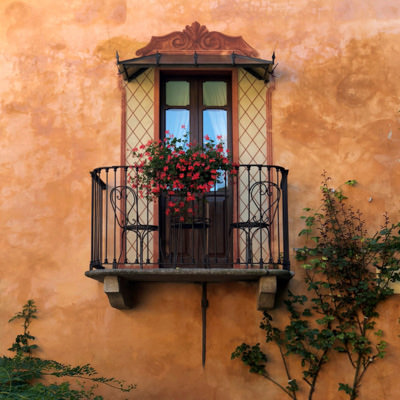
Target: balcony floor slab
{"points": [[190, 275]]}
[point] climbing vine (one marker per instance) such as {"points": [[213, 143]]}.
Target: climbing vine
{"points": [[348, 273]]}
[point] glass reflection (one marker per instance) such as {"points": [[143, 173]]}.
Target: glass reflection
{"points": [[216, 128], [215, 125], [177, 122]]}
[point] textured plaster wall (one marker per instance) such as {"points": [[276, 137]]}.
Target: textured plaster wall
{"points": [[335, 107]]}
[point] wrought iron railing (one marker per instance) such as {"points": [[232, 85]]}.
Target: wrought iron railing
{"points": [[242, 222]]}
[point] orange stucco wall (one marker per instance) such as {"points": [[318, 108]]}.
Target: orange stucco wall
{"points": [[335, 107]]}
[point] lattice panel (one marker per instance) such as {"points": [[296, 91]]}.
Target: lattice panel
{"points": [[252, 141], [139, 130], [252, 119], [139, 111]]}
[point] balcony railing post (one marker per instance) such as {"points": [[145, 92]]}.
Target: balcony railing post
{"points": [[96, 219], [285, 217], [92, 244]]}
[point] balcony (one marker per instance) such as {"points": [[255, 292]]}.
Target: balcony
{"points": [[237, 231]]}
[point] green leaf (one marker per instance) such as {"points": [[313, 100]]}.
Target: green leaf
{"points": [[305, 232], [346, 388], [351, 182]]}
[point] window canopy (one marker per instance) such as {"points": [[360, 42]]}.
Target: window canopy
{"points": [[196, 47]]}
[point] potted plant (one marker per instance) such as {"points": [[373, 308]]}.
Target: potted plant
{"points": [[181, 170]]}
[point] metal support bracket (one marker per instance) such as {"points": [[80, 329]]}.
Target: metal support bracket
{"points": [[204, 306]]}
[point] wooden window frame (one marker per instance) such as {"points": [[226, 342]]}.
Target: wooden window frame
{"points": [[158, 125]]}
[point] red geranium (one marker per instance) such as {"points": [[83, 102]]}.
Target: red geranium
{"points": [[180, 169]]}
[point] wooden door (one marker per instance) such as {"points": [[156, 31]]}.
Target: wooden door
{"points": [[198, 106]]}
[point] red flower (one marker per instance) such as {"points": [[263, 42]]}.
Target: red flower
{"points": [[178, 168], [190, 197]]}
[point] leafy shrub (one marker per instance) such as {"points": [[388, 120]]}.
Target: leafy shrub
{"points": [[26, 377]]}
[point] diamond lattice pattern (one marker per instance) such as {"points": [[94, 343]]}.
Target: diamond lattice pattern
{"points": [[252, 140], [139, 130]]}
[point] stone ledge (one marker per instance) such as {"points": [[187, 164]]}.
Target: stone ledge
{"points": [[189, 275]]}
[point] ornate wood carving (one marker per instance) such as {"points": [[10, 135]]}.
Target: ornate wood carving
{"points": [[197, 38]]}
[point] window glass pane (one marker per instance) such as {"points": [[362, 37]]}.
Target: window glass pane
{"points": [[177, 93], [215, 128], [214, 93], [177, 122], [215, 125]]}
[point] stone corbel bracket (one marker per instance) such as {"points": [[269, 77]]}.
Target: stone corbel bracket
{"points": [[267, 289], [119, 292], [119, 284]]}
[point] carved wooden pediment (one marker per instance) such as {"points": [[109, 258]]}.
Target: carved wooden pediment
{"points": [[197, 38]]}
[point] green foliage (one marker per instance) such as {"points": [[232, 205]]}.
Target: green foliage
{"points": [[251, 356], [347, 274], [22, 376], [255, 359], [350, 273], [346, 388], [21, 344]]}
